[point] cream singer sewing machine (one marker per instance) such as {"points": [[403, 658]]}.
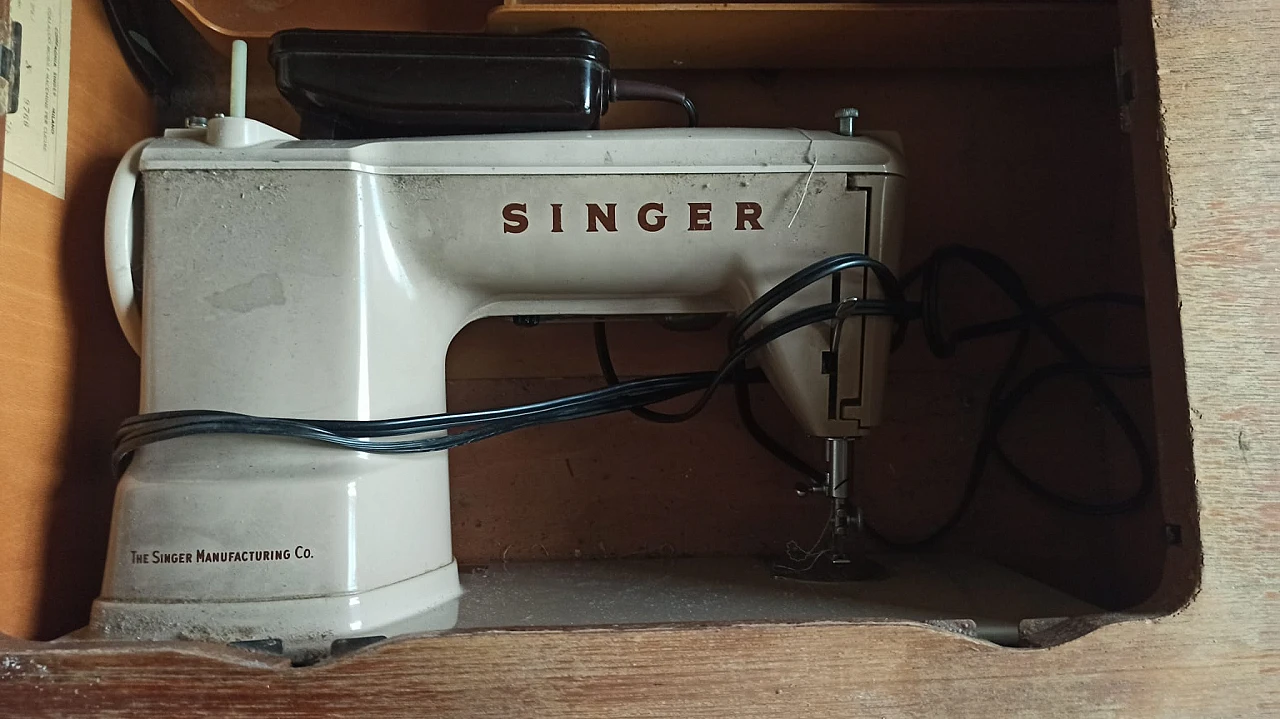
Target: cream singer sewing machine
{"points": [[258, 274]]}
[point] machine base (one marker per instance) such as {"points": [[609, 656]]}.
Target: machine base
{"points": [[631, 592], [304, 625]]}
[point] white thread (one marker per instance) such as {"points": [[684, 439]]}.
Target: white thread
{"points": [[807, 179], [798, 554]]}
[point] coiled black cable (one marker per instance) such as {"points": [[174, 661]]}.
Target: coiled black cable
{"points": [[1005, 395]]}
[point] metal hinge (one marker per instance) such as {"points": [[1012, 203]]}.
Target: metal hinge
{"points": [[1124, 88]]}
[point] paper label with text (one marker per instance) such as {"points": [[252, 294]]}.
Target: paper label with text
{"points": [[35, 142]]}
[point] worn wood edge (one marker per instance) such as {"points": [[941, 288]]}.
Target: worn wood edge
{"points": [[11, 648], [1183, 574], [615, 672], [220, 36], [1046, 632], [24, 660], [1204, 52], [412, 644], [754, 671], [1042, 634]]}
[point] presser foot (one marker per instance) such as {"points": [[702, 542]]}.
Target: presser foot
{"points": [[831, 568], [843, 559]]}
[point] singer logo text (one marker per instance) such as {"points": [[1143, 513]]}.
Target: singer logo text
{"points": [[518, 217]]}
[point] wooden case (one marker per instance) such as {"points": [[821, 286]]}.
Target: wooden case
{"points": [[1025, 136]]}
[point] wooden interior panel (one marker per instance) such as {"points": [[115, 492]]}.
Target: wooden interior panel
{"points": [[619, 486], [806, 35], [727, 35], [221, 21], [66, 374], [256, 19]]}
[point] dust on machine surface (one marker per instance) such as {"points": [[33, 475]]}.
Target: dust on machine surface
{"points": [[287, 480]]}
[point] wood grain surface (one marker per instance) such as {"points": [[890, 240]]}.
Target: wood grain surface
{"points": [[68, 377], [1219, 656], [725, 35], [247, 19], [828, 35]]}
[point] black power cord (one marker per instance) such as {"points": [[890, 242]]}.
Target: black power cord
{"points": [[742, 396], [623, 90], [742, 381], [611, 376], [1004, 397], [364, 435]]}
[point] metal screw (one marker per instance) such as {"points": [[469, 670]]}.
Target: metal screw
{"points": [[804, 489], [846, 116], [195, 121]]}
